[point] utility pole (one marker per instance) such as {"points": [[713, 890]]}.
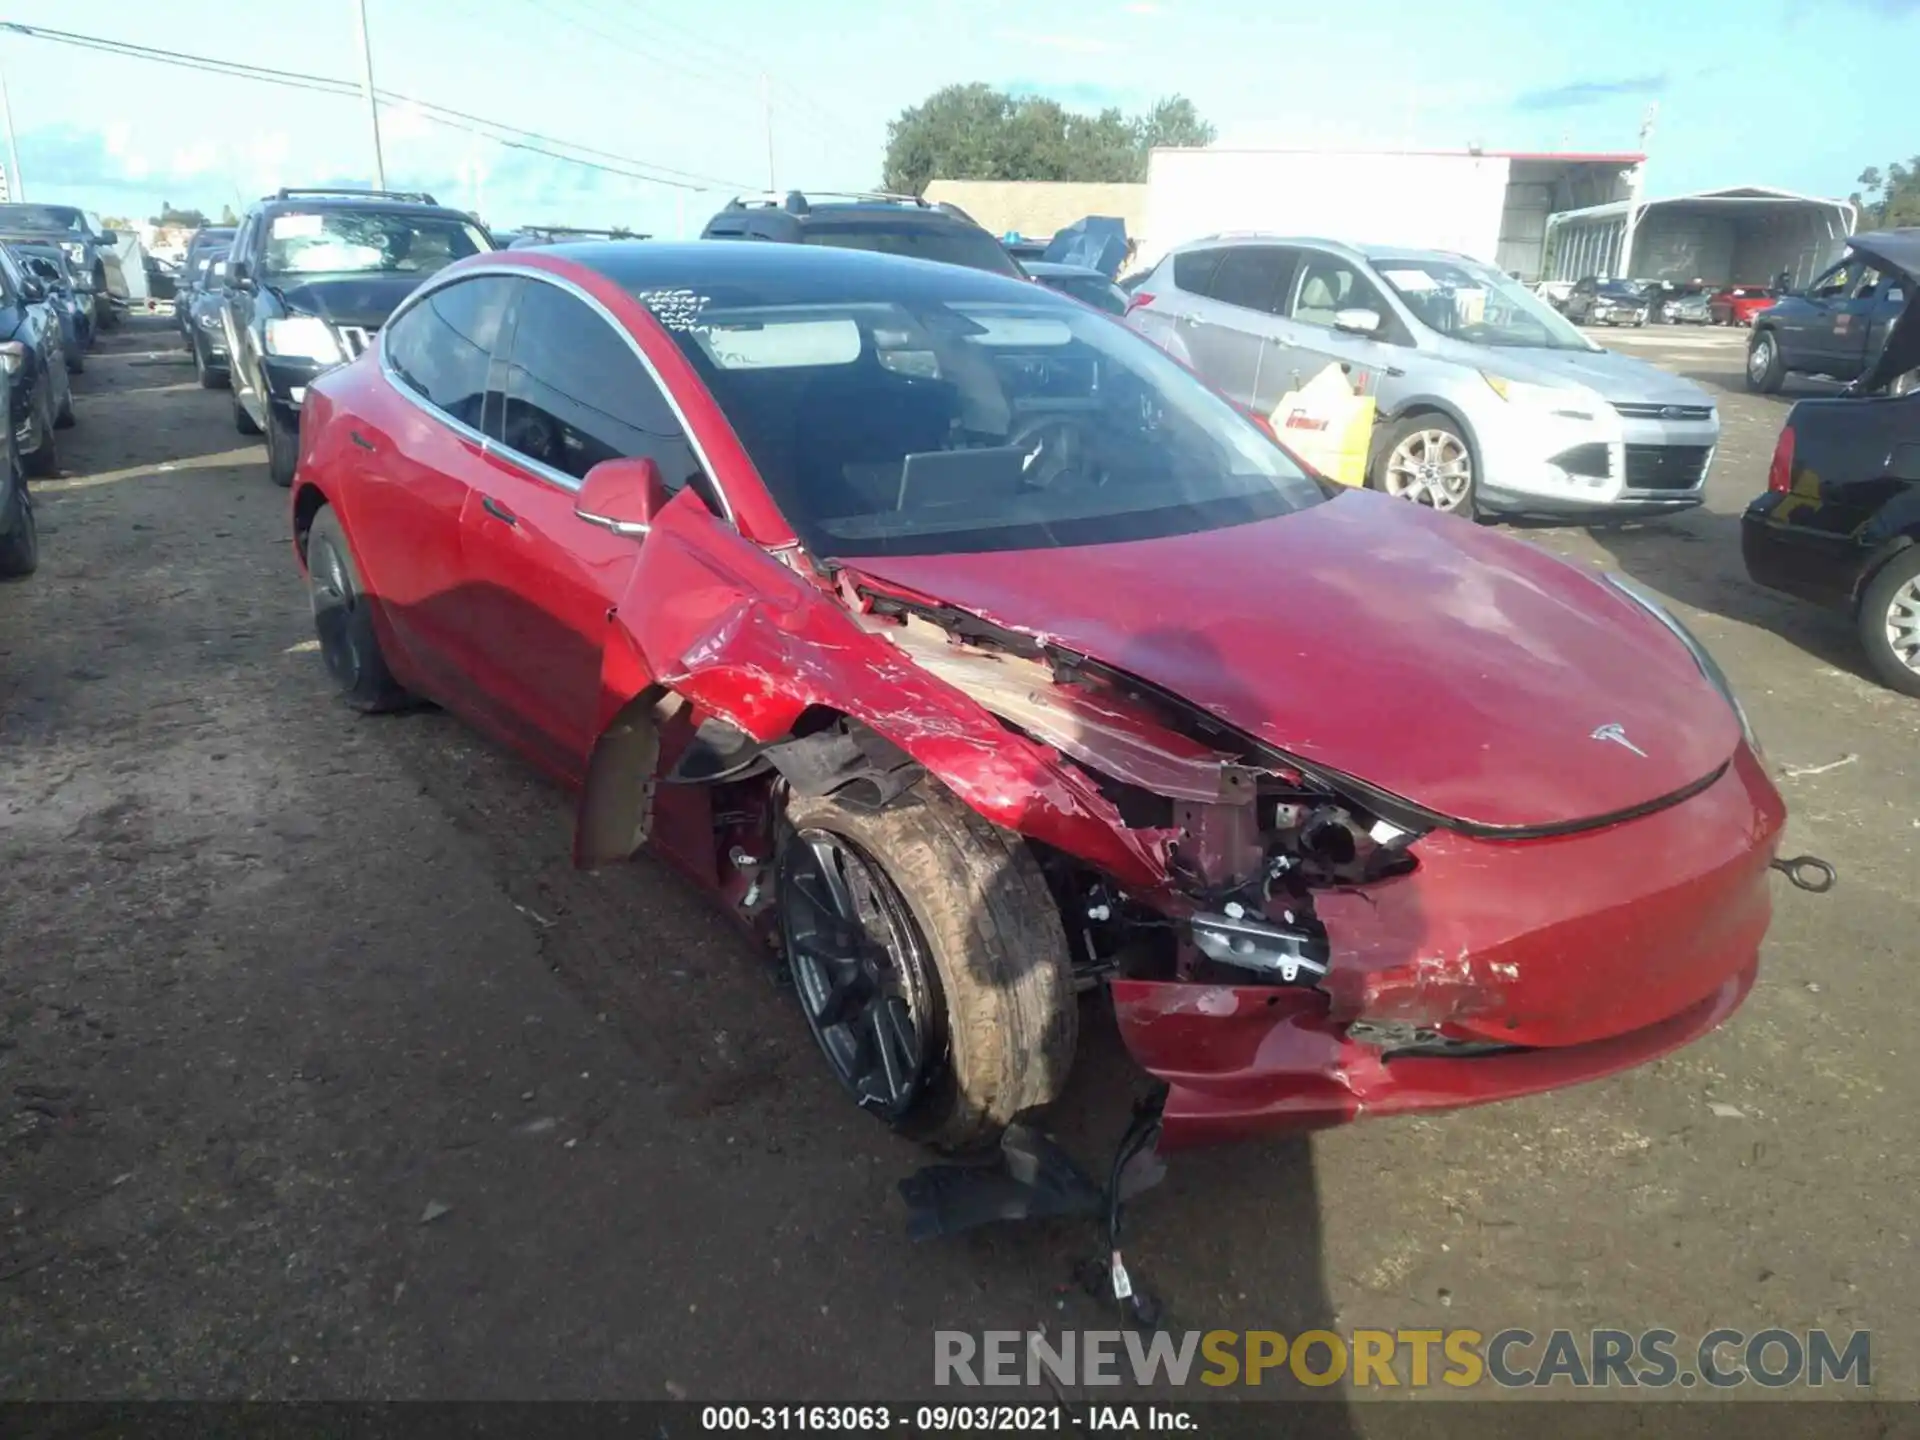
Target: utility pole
{"points": [[16, 189], [373, 105], [1636, 186], [766, 113]]}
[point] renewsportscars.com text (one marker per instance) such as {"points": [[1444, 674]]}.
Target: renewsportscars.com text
{"points": [[1411, 1359]]}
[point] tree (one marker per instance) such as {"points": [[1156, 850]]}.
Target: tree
{"points": [[1894, 195], [115, 222], [193, 219], [975, 132]]}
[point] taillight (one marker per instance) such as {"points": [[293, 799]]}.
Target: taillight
{"points": [[1138, 300], [1780, 472]]}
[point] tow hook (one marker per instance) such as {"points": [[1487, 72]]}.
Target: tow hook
{"points": [[1807, 872]]}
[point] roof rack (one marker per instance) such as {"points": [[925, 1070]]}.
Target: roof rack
{"points": [[799, 202], [418, 197]]}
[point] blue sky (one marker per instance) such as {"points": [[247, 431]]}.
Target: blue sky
{"points": [[1778, 92]]}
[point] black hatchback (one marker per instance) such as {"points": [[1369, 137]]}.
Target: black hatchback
{"points": [[1839, 524]]}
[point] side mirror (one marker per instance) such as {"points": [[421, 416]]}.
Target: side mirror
{"points": [[237, 275], [108, 237], [623, 496], [1357, 322]]}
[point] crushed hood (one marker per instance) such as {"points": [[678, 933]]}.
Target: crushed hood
{"points": [[351, 299], [1900, 352], [1455, 667]]}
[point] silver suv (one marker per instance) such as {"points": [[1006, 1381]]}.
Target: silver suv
{"points": [[1488, 399]]}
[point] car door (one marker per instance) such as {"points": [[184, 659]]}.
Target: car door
{"points": [[1324, 284], [540, 583], [1814, 332], [1229, 331], [1580, 300], [416, 462], [236, 310]]}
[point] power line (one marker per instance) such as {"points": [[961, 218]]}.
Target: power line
{"points": [[510, 136]]}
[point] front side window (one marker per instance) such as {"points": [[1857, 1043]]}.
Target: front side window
{"points": [[363, 242], [441, 347], [1478, 304], [43, 217], [909, 423], [1837, 282], [575, 394], [946, 244]]}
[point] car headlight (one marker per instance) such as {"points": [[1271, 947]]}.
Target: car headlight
{"points": [[1702, 657], [307, 337], [1568, 402]]}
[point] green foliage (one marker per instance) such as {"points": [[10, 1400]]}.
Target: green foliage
{"points": [[193, 219], [1890, 197], [975, 132]]}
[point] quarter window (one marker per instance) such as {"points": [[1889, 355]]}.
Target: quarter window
{"points": [[576, 394], [442, 346]]}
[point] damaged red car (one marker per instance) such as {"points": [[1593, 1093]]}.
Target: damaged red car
{"points": [[977, 656]]}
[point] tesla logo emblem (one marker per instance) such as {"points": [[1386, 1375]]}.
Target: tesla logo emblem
{"points": [[1619, 737]]}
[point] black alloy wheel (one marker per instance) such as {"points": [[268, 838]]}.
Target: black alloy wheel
{"points": [[864, 974]]}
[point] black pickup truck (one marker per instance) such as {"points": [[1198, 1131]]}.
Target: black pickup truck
{"points": [[1839, 524], [1836, 326]]}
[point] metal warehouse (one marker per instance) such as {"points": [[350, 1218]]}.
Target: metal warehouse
{"points": [[1747, 234]]}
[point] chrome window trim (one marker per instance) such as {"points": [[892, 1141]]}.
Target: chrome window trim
{"points": [[504, 452]]}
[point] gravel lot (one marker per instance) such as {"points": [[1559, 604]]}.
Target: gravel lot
{"points": [[322, 1074]]}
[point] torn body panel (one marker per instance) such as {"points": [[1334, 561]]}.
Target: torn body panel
{"points": [[1590, 954]]}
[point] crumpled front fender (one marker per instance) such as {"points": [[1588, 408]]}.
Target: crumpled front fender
{"points": [[727, 626]]}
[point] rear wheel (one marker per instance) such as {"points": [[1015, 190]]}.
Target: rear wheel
{"points": [[1890, 623], [44, 460], [64, 418], [1766, 367], [930, 963], [20, 546], [1425, 459], [343, 620]]}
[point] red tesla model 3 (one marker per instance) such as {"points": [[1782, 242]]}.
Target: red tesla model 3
{"points": [[975, 654]]}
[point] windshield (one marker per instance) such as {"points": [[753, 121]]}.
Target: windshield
{"points": [[361, 242], [1478, 304], [949, 245], [42, 217], [922, 426]]}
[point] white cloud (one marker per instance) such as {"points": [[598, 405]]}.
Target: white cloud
{"points": [[1067, 44]]}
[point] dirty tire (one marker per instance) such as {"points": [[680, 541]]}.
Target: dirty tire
{"points": [[64, 418], [343, 621], [45, 461], [209, 377], [283, 448], [242, 421], [1898, 583], [1766, 368], [20, 546], [999, 953]]}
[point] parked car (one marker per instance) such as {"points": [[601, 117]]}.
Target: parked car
{"points": [[1690, 307], [205, 307], [89, 248], [1738, 304], [312, 276], [891, 224], [71, 304], [1488, 400], [19, 535], [1607, 302], [1554, 292], [1839, 524], [1024, 249], [1837, 326], [1089, 287], [194, 272], [40, 390], [928, 620]]}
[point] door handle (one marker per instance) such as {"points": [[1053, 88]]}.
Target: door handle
{"points": [[357, 438], [499, 512]]}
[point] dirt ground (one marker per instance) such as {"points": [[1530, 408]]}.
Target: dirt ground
{"points": [[322, 1074]]}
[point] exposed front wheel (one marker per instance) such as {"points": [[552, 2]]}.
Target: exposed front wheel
{"points": [[930, 963], [1426, 459], [1766, 368], [20, 546], [1890, 623], [283, 447], [343, 620]]}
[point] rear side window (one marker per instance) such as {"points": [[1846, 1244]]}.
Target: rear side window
{"points": [[1193, 270], [1254, 277], [576, 394], [441, 348]]}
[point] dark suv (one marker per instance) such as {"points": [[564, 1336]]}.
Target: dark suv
{"points": [[891, 224], [312, 275], [87, 244]]}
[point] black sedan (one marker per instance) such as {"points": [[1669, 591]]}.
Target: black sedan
{"points": [[1839, 524]]}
